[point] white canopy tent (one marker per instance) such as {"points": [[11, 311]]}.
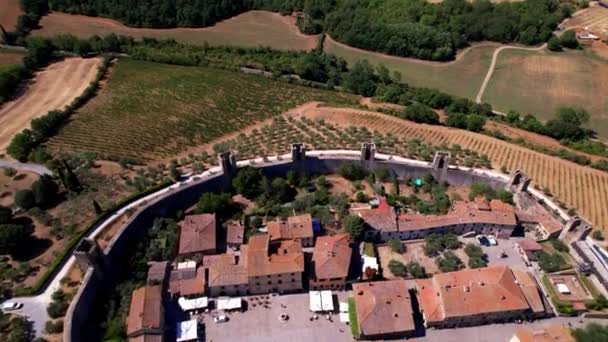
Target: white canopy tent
{"points": [[343, 307], [187, 331], [188, 304], [228, 303], [321, 301], [344, 318]]}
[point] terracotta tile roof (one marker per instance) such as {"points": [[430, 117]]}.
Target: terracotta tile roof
{"points": [[461, 213], [529, 288], [157, 272], [295, 227], [332, 256], [482, 203], [145, 311], [529, 245], [226, 271], [198, 234], [548, 333], [187, 282], [534, 212], [235, 233], [473, 292], [383, 307], [260, 260]]}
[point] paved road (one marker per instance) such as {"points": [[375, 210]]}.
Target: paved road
{"points": [[31, 167], [493, 66]]}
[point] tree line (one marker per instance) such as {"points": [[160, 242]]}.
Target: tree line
{"points": [[413, 28]]}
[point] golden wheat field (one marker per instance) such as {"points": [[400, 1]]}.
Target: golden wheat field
{"points": [[583, 188]]}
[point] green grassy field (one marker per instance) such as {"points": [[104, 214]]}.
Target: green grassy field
{"points": [[540, 82], [462, 77], [153, 111]]}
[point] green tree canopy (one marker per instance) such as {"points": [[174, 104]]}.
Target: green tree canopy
{"points": [[355, 226]]}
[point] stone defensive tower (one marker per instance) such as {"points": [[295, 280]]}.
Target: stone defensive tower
{"points": [[440, 165], [227, 161], [368, 154], [298, 152], [89, 254], [519, 181]]}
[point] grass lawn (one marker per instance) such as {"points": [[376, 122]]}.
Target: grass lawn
{"points": [[352, 316], [368, 249], [152, 111], [462, 77], [539, 82]]}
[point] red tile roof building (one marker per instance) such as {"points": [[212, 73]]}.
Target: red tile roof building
{"points": [[235, 232], [548, 333], [187, 282], [146, 314], [227, 277], [273, 268], [331, 262], [495, 217], [295, 227], [528, 248], [198, 235], [478, 296], [384, 309]]}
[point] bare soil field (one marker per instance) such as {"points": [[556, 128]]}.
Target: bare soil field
{"points": [[539, 82], [251, 29], [10, 57], [9, 11], [461, 77], [52, 88], [580, 187]]}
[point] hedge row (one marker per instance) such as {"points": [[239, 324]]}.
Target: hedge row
{"points": [[46, 126]]}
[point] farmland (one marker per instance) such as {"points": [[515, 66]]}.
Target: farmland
{"points": [[580, 187], [522, 78], [250, 29], [150, 111], [461, 77], [10, 57], [594, 19], [52, 88], [325, 128], [9, 11]]}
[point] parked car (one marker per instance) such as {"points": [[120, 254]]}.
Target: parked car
{"points": [[220, 319], [492, 240], [10, 306], [482, 240]]}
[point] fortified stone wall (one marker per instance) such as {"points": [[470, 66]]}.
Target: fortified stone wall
{"points": [[80, 322]]}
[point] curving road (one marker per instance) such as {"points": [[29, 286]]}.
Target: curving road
{"points": [[493, 66]]}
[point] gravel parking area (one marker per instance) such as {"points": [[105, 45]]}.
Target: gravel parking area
{"points": [[263, 324]]}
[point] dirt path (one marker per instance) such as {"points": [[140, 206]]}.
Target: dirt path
{"points": [[51, 89], [460, 55], [486, 80]]}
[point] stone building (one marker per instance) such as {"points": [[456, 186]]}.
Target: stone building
{"points": [[146, 321], [494, 217], [384, 309], [273, 268], [226, 276], [294, 227], [198, 235], [478, 296], [331, 262]]}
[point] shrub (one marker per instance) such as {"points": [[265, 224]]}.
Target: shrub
{"points": [[25, 199], [53, 327], [355, 226], [560, 246], [397, 268], [568, 39], [420, 113], [554, 44], [57, 309], [416, 270], [361, 197], [550, 262], [352, 171], [449, 262], [396, 246], [597, 235]]}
